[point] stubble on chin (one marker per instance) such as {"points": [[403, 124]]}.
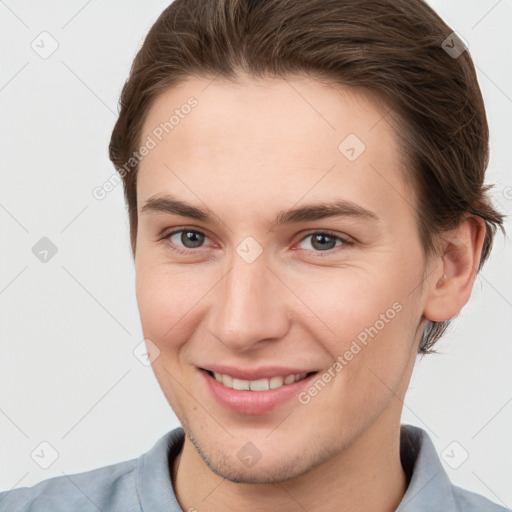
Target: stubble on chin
{"points": [[231, 468]]}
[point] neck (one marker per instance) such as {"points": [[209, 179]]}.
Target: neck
{"points": [[368, 475]]}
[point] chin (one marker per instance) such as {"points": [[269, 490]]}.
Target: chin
{"points": [[269, 469]]}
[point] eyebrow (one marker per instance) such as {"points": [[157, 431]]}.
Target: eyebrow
{"points": [[309, 212]]}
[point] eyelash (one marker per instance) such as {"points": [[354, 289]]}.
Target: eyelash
{"points": [[345, 241]]}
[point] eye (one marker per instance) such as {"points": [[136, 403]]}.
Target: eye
{"points": [[322, 241], [187, 238]]}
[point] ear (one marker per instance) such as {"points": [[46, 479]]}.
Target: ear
{"points": [[451, 281]]}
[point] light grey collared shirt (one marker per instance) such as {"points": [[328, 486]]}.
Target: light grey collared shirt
{"points": [[144, 484]]}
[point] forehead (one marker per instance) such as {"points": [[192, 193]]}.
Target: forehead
{"points": [[287, 137]]}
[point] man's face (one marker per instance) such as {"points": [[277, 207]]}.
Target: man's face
{"points": [[256, 294]]}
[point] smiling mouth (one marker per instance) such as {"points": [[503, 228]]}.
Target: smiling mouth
{"points": [[259, 384]]}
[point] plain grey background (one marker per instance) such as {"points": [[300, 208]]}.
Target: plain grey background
{"points": [[69, 325]]}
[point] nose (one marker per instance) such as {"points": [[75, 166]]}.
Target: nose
{"points": [[250, 306]]}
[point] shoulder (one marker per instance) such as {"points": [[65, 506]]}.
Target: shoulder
{"points": [[472, 502], [107, 488], [129, 486], [429, 485]]}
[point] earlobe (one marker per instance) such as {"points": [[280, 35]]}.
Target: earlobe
{"points": [[452, 281]]}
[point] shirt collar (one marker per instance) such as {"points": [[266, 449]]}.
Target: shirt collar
{"points": [[153, 480], [429, 486]]}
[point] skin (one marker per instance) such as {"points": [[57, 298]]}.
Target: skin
{"points": [[248, 151]]}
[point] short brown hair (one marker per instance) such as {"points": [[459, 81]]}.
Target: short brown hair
{"points": [[393, 48]]}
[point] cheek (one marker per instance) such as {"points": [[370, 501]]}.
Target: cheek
{"points": [[371, 350], [169, 302], [372, 319], [351, 301]]}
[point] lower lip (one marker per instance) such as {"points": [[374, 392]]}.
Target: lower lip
{"points": [[253, 402]]}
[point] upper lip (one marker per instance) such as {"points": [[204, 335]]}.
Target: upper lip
{"points": [[255, 373]]}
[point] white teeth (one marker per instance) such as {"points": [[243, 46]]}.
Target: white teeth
{"points": [[259, 384], [276, 382], [227, 380], [241, 384]]}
